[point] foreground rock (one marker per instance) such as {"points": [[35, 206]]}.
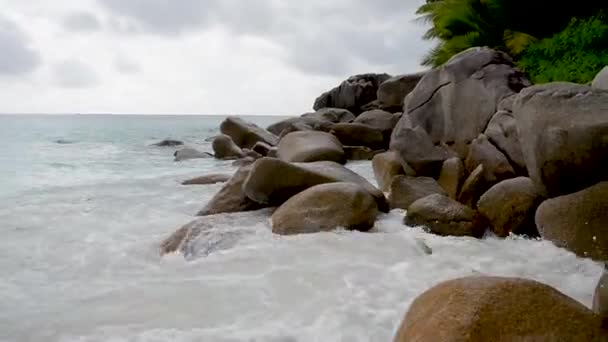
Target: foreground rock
{"points": [[356, 134], [386, 166], [169, 143], [231, 198], [406, 190], [273, 181], [479, 309], [392, 91], [510, 206], [310, 146], [577, 222], [225, 148], [455, 102], [416, 148], [442, 215], [564, 134], [600, 297], [601, 80], [352, 94], [451, 176], [326, 207], [190, 153], [208, 179], [246, 134]]}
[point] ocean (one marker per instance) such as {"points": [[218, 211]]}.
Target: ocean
{"points": [[86, 200]]}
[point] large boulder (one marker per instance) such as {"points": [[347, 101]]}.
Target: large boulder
{"points": [[502, 133], [188, 152], [225, 148], [273, 181], [509, 206], [405, 190], [455, 102], [352, 94], [231, 198], [309, 146], [416, 148], [246, 134], [378, 119], [386, 166], [451, 176], [577, 222], [326, 207], [442, 215], [287, 126], [601, 80], [392, 91], [208, 179], [498, 309], [600, 296], [495, 165], [563, 130], [356, 134]]}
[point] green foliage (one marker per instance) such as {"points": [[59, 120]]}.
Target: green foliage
{"points": [[576, 54]]}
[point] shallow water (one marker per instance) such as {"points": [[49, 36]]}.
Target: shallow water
{"points": [[79, 249]]}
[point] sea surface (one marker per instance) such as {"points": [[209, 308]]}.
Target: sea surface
{"points": [[86, 200]]}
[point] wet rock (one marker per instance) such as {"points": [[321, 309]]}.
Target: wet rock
{"points": [[442, 215], [482, 308], [169, 143], [405, 190], [190, 153], [510, 206], [225, 148], [386, 166], [246, 134], [208, 179], [309, 146], [326, 207]]}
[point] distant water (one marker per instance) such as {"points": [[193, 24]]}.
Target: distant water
{"points": [[85, 200]]}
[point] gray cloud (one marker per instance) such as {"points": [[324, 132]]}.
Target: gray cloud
{"points": [[16, 56], [81, 21], [318, 36], [74, 74], [126, 66]]}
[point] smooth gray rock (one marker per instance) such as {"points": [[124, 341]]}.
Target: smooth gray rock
{"points": [[353, 93]]}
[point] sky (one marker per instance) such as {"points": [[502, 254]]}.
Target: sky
{"points": [[259, 57]]}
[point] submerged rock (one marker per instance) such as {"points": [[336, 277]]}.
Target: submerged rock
{"points": [[481, 308], [190, 153], [208, 179], [326, 207], [169, 143]]}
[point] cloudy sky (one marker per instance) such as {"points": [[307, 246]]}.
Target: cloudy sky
{"points": [[196, 56]]}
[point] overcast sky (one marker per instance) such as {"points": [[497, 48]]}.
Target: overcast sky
{"points": [[196, 56]]}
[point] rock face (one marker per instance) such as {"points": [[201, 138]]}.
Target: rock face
{"points": [[352, 94], [225, 148], [577, 222], [378, 119], [246, 134], [231, 198], [392, 91], [406, 190], [273, 181], [208, 179], [455, 102], [502, 133], [386, 166], [600, 297], [190, 153], [479, 309], [356, 134], [169, 143], [416, 148], [451, 176], [510, 206], [495, 165], [564, 135], [601, 80], [442, 215], [326, 207], [310, 146]]}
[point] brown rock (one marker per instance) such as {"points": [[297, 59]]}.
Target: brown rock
{"points": [[474, 186], [405, 190], [360, 152], [246, 134], [355, 134], [386, 166], [352, 94], [451, 176], [480, 309], [310, 146], [208, 179], [442, 215], [502, 133], [378, 119], [495, 164], [577, 222], [392, 91], [326, 207], [509, 207], [225, 148], [418, 151]]}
